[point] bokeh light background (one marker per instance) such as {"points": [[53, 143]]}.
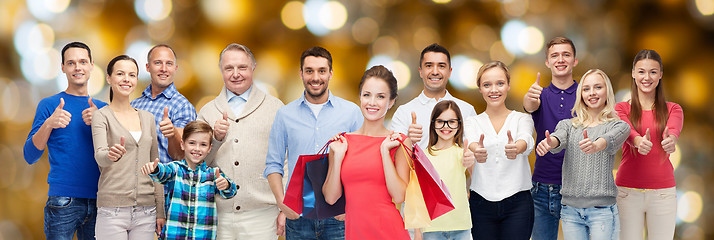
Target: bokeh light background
{"points": [[359, 34]]}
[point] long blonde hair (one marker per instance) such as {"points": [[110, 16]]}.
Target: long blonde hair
{"points": [[580, 109]]}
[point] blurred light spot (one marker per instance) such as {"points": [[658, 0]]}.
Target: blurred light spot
{"points": [[161, 31], [705, 7], [510, 34], [91, 9], [424, 36], [523, 75], [689, 206], [226, 13], [399, 69], [482, 37], [97, 80], [38, 68], [386, 45], [466, 70], [138, 50], [32, 38], [10, 97], [183, 74], [333, 15], [365, 30], [499, 52], [676, 156], [57, 6], [272, 67], [311, 12], [267, 88], [515, 8], [291, 15], [530, 40], [442, 1], [204, 59], [152, 10], [696, 93], [41, 9]]}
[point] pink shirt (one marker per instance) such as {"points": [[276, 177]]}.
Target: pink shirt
{"points": [[654, 170]]}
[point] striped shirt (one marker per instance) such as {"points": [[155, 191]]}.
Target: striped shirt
{"points": [[181, 112], [192, 209]]}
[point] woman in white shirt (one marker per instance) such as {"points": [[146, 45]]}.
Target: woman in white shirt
{"points": [[501, 139]]}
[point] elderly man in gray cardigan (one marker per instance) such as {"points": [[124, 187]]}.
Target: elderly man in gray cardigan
{"points": [[241, 117]]}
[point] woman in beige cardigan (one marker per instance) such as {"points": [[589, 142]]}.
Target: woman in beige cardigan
{"points": [[129, 204]]}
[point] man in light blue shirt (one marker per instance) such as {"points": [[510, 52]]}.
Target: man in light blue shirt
{"points": [[302, 127]]}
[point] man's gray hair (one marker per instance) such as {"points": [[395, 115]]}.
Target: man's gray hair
{"points": [[237, 47]]}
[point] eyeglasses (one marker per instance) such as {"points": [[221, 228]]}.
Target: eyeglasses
{"points": [[452, 123]]}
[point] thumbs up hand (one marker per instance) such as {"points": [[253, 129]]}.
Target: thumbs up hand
{"points": [[220, 129], [468, 159], [165, 125], [221, 182], [415, 130], [533, 94], [511, 148], [117, 151], [645, 145], [60, 118], [546, 144], [668, 141], [150, 167], [586, 145], [87, 113], [480, 152]]}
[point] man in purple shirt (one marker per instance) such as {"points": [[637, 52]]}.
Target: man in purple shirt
{"points": [[548, 106]]}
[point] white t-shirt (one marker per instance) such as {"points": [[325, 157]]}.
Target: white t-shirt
{"points": [[315, 107], [136, 135]]}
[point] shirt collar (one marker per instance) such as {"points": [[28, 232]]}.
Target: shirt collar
{"points": [[328, 103], [230, 95], [423, 99], [169, 92], [202, 166], [570, 90]]}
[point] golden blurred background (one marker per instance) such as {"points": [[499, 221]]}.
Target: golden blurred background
{"points": [[359, 33]]}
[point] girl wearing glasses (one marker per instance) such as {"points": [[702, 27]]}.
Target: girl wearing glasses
{"points": [[451, 160], [501, 139]]}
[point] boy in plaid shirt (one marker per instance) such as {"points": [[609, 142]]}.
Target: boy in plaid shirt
{"points": [[192, 208]]}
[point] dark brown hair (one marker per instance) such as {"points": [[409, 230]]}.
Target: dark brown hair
{"points": [[434, 47], [438, 110], [196, 127], [559, 40], [316, 52], [110, 69], [383, 73], [660, 103]]}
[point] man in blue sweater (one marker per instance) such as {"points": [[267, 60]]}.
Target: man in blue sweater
{"points": [[62, 125]]}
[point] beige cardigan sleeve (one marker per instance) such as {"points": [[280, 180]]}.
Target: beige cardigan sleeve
{"points": [[99, 137]]}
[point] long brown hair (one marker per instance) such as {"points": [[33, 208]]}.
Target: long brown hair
{"points": [[438, 109], [660, 104]]}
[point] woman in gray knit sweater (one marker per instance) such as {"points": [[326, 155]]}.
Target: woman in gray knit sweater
{"points": [[590, 139]]}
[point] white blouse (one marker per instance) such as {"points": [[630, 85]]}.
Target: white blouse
{"points": [[499, 177]]}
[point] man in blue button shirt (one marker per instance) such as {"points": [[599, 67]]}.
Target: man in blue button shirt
{"points": [[302, 127]]}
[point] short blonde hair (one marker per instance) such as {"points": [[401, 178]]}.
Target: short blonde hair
{"points": [[580, 109]]}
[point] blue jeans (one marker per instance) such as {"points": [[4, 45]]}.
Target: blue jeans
{"points": [[596, 223], [546, 203], [66, 215], [447, 235], [510, 218], [317, 229]]}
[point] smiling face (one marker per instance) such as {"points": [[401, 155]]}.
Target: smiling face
{"points": [[77, 66], [162, 67], [594, 92], [196, 147], [494, 86], [435, 71], [647, 74], [316, 75], [446, 125], [237, 70], [561, 60], [123, 78], [374, 99]]}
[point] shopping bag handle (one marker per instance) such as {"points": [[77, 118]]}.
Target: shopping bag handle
{"points": [[323, 150], [408, 152]]}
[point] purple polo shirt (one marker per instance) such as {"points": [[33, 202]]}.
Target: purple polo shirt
{"points": [[555, 105]]}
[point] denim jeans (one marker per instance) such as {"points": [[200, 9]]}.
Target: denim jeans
{"points": [[596, 223], [66, 215], [447, 235], [546, 203], [510, 218], [322, 229]]}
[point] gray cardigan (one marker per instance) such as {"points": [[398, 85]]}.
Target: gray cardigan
{"points": [[121, 183], [587, 178]]}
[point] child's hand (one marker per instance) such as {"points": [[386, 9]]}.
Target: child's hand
{"points": [[645, 145], [511, 148], [469, 158], [545, 145], [221, 182], [117, 151], [479, 151], [415, 130], [149, 168], [668, 141]]}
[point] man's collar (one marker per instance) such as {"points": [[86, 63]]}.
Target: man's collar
{"points": [[244, 95], [423, 99], [169, 92], [573, 87], [303, 100]]}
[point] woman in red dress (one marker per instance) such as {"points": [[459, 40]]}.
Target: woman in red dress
{"points": [[370, 165]]}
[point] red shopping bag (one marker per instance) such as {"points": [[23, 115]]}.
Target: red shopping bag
{"points": [[306, 183], [436, 194]]}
